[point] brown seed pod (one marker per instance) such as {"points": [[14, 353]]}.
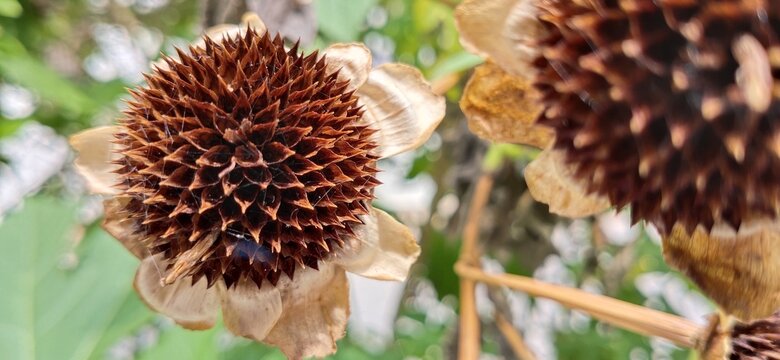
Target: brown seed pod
{"points": [[758, 340], [244, 160], [669, 107]]}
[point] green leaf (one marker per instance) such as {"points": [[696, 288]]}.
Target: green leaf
{"points": [[455, 63], [428, 15], [131, 316], [9, 127], [178, 343], [51, 312], [10, 8], [342, 20], [246, 349], [438, 257]]}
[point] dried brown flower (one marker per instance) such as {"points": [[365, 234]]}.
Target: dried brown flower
{"points": [[245, 160], [758, 340], [666, 106], [242, 175], [501, 104]]}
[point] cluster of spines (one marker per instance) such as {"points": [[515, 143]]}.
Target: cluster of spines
{"points": [[759, 339], [245, 160], [644, 98]]}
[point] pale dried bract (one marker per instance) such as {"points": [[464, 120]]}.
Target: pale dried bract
{"points": [[500, 107]]}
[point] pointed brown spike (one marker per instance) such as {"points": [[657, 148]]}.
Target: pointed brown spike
{"points": [[210, 197], [276, 152], [284, 178], [260, 176], [205, 177], [299, 199], [216, 156], [270, 200], [245, 196], [248, 156], [229, 212]]}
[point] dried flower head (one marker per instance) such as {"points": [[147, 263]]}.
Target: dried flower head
{"points": [[758, 340], [666, 106], [239, 144], [242, 175], [501, 104]]}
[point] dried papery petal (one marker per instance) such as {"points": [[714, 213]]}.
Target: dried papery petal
{"points": [[351, 61], [121, 227], [382, 249], [401, 107], [96, 152], [551, 181], [499, 107], [504, 31], [251, 312], [245, 160], [667, 107], [193, 306], [739, 270], [316, 310]]}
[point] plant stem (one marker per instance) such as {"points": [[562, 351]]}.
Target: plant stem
{"points": [[470, 339], [625, 315], [514, 339]]}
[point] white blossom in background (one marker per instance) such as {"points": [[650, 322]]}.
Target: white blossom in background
{"points": [[617, 228], [660, 286], [572, 241], [373, 308], [409, 199], [16, 102], [118, 54], [34, 153]]}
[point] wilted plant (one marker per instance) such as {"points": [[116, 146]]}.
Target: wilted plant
{"points": [[242, 175]]}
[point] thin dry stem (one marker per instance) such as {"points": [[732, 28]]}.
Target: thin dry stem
{"points": [[469, 344], [625, 315], [514, 338], [469, 252]]}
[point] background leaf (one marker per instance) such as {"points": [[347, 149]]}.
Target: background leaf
{"points": [[339, 25], [10, 8], [49, 311]]}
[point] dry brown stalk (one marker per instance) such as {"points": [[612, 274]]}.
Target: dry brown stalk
{"points": [[469, 343], [514, 338], [619, 313]]}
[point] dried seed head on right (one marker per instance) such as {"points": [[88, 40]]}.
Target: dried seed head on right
{"points": [[668, 107]]}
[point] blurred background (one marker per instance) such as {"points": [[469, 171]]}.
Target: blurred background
{"points": [[65, 285]]}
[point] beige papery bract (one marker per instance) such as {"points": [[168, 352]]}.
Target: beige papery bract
{"points": [[306, 315], [501, 105]]}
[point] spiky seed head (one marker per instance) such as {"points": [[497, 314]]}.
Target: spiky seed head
{"points": [[244, 160], [759, 339], [669, 107]]}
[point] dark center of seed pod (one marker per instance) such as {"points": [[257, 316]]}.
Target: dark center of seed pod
{"points": [[245, 160], [669, 107]]}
